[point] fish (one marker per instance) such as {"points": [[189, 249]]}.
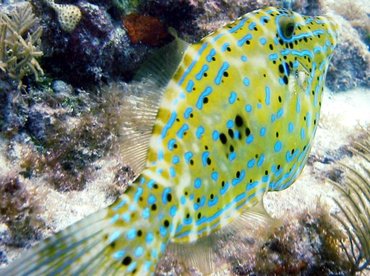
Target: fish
{"points": [[235, 120]]}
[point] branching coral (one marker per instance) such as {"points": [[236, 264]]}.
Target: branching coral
{"points": [[355, 209], [19, 44]]}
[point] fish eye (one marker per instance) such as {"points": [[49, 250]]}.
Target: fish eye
{"points": [[286, 27]]}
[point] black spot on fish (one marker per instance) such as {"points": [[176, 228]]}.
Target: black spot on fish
{"points": [[266, 172], [226, 74], [155, 186], [199, 215], [166, 223], [285, 79], [228, 49], [127, 260], [205, 100], [231, 133], [154, 207], [139, 233], [277, 134], [237, 174], [281, 68], [248, 42], [209, 161], [238, 121], [205, 74], [231, 148], [279, 99], [211, 196], [169, 197], [223, 138], [247, 131]]}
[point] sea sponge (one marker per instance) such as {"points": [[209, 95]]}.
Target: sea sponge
{"points": [[146, 29], [68, 15]]}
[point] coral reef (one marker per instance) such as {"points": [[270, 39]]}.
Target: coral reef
{"points": [[307, 245], [350, 66], [126, 6], [68, 15], [70, 144], [65, 131], [98, 49], [20, 43]]}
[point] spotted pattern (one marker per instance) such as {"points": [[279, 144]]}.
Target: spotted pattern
{"points": [[238, 132], [236, 121]]}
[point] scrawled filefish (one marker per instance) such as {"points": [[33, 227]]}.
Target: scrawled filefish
{"points": [[235, 121]]}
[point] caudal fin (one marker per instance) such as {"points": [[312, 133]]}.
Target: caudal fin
{"points": [[117, 239]]}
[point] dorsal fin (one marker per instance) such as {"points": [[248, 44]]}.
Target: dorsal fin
{"points": [[139, 111], [142, 102], [162, 64]]}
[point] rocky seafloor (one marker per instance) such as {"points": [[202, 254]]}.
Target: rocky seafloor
{"points": [[60, 123]]}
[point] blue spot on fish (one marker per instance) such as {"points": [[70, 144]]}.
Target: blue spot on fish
{"points": [[201, 72], [232, 97], [248, 108], [169, 124], [278, 146], [189, 86], [197, 183], [246, 81], [220, 73], [199, 132], [205, 93]]}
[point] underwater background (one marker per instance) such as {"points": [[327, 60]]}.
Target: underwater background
{"points": [[66, 71]]}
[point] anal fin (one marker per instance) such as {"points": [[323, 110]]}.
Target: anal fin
{"points": [[208, 254]]}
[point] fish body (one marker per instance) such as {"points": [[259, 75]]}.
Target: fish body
{"points": [[236, 120]]}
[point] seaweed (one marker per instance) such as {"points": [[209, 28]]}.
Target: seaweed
{"points": [[19, 44], [19, 209], [354, 214], [71, 144]]}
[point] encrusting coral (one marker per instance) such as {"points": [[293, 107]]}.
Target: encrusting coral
{"points": [[19, 44], [68, 15]]}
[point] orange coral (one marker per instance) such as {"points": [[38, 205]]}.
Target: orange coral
{"points": [[146, 29]]}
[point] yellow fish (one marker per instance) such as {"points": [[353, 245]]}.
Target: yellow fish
{"points": [[235, 121]]}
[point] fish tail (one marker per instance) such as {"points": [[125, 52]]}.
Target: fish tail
{"points": [[123, 238]]}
